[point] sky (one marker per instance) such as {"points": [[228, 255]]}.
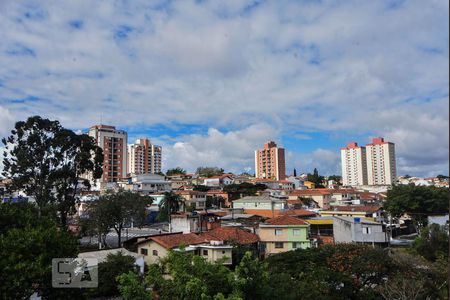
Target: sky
{"points": [[211, 81]]}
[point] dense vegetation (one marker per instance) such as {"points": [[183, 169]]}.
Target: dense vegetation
{"points": [[346, 271], [237, 191], [417, 201]]}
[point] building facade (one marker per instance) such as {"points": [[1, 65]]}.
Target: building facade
{"points": [[114, 145], [381, 165], [359, 230], [270, 162], [354, 166], [144, 157], [283, 233]]}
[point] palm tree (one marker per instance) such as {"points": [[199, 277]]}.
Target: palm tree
{"points": [[169, 204]]}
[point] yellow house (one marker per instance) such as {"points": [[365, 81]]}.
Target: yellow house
{"points": [[309, 184], [155, 248], [283, 234]]}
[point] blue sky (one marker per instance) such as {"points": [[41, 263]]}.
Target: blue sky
{"points": [[211, 81]]}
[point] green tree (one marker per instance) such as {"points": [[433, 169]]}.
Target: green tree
{"points": [[201, 188], [131, 287], [108, 271], [252, 278], [209, 171], [27, 246], [432, 242], [175, 171], [243, 189], [116, 209], [45, 160], [336, 178], [214, 201], [316, 178], [417, 201], [170, 204]]}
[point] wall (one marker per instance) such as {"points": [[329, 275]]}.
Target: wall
{"points": [[150, 246]]}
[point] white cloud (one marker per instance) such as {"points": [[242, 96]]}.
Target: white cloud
{"points": [[232, 150], [348, 68]]}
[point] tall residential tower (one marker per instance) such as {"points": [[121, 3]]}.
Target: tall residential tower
{"points": [[114, 145], [144, 157], [353, 160], [381, 166], [373, 164], [270, 162]]}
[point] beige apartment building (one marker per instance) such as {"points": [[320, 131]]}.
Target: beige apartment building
{"points": [[270, 162], [381, 166], [354, 166], [144, 157], [114, 145]]}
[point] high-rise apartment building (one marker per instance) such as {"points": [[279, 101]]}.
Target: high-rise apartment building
{"points": [[354, 167], [381, 166], [114, 145], [144, 157], [270, 162], [373, 164]]}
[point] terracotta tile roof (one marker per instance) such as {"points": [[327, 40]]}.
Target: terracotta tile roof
{"points": [[231, 234], [364, 208], [299, 213], [286, 220], [311, 192], [267, 213], [170, 241]]}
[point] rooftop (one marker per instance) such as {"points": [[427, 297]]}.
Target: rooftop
{"points": [[231, 234], [174, 240], [286, 220]]}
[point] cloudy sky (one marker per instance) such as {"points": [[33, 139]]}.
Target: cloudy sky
{"points": [[211, 81]]}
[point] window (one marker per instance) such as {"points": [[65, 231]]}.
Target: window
{"points": [[278, 231], [205, 252], [296, 232], [366, 230], [155, 252], [295, 245], [279, 245], [144, 251]]}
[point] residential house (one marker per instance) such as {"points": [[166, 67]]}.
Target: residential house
{"points": [[299, 183], [321, 230], [218, 181], [283, 233], [146, 184], [373, 212], [102, 255], [157, 247], [321, 196], [260, 203], [193, 222], [309, 184], [194, 199], [359, 230], [231, 235]]}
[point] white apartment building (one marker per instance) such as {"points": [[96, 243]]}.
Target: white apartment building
{"points": [[354, 167], [381, 166], [114, 145], [144, 157]]}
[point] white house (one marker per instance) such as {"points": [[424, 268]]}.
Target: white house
{"points": [[260, 202], [359, 230], [218, 181]]}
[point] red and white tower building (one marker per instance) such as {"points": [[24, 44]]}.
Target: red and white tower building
{"points": [[381, 165], [114, 145], [270, 162]]}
